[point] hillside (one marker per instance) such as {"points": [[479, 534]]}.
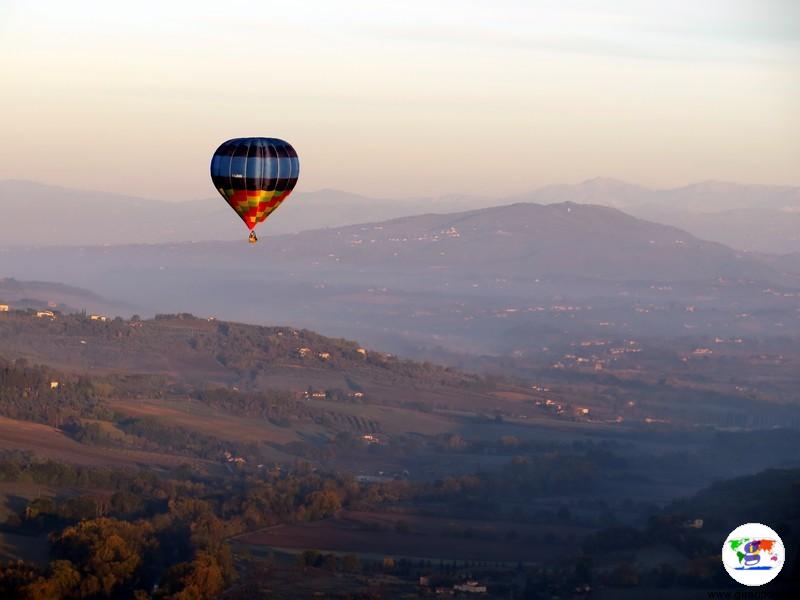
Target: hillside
{"points": [[756, 218], [528, 240], [774, 230], [41, 294], [522, 240], [274, 438], [746, 217], [288, 385], [184, 350], [680, 544], [198, 386], [442, 281]]}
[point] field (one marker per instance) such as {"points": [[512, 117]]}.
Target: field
{"points": [[393, 420], [289, 583], [52, 443], [194, 415], [377, 534]]}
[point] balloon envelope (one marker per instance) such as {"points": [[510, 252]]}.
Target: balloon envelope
{"points": [[254, 175]]}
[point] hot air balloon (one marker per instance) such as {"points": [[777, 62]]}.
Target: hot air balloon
{"points": [[254, 175]]}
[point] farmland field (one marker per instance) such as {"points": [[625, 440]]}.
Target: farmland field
{"points": [[52, 443], [194, 415], [375, 533]]}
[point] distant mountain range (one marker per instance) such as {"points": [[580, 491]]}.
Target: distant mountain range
{"points": [[757, 218], [746, 217], [522, 241], [704, 197], [435, 279], [44, 215]]}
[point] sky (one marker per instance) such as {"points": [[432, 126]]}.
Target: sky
{"points": [[401, 99]]}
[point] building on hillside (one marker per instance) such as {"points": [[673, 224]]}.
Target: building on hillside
{"points": [[49, 314], [102, 318], [4, 308], [324, 355], [470, 587], [54, 385], [694, 524], [361, 351], [304, 352], [233, 459]]}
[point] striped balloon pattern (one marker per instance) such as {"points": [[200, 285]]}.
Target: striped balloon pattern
{"points": [[254, 175]]}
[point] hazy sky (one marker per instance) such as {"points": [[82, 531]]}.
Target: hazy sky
{"points": [[401, 98]]}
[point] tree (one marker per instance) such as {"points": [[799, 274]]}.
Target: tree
{"points": [[63, 579], [108, 553], [351, 563], [200, 579], [322, 504]]}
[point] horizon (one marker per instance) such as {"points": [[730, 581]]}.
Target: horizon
{"points": [[446, 195]]}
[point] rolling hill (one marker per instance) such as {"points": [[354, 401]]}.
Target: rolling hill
{"points": [[773, 230], [146, 357], [521, 240], [434, 280], [41, 294], [747, 217], [757, 218], [527, 240]]}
